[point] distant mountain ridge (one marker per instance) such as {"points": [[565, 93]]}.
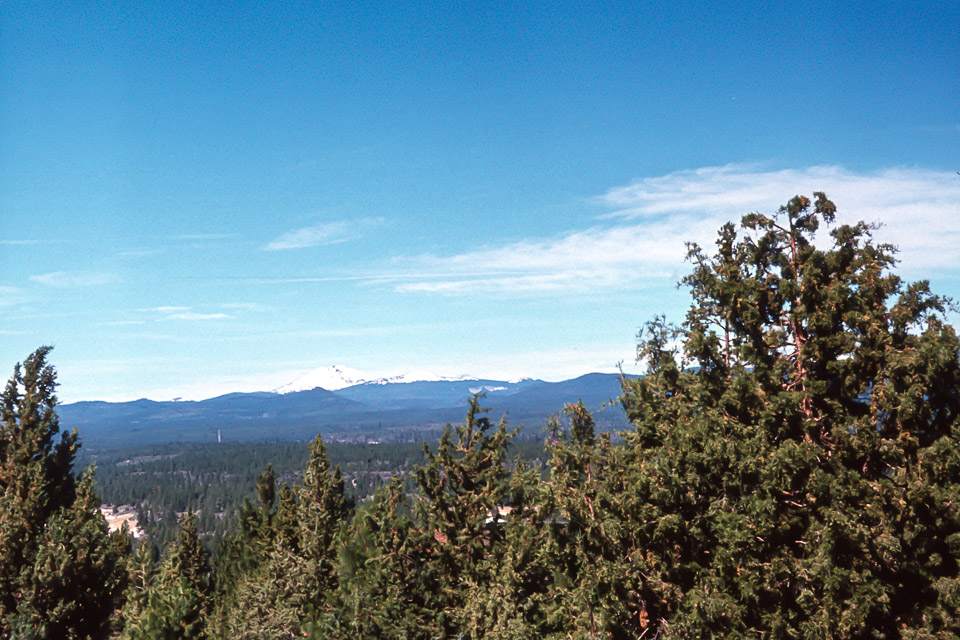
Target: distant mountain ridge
{"points": [[404, 407], [336, 377]]}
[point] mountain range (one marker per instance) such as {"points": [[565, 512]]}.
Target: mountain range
{"points": [[342, 404]]}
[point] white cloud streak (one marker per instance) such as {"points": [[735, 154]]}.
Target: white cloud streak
{"points": [[643, 238], [10, 296], [73, 279], [139, 253], [184, 313], [165, 309], [244, 306], [192, 315], [324, 233], [203, 236]]}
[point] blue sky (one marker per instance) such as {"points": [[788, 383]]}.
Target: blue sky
{"points": [[202, 199]]}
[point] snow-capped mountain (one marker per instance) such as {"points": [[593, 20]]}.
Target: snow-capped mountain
{"points": [[419, 376], [331, 378], [336, 377]]}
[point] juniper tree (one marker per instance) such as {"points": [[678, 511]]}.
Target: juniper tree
{"points": [[241, 554], [298, 576], [141, 572], [793, 467], [587, 549], [461, 487], [75, 583], [513, 599], [35, 470], [381, 586], [61, 575], [177, 602], [427, 574]]}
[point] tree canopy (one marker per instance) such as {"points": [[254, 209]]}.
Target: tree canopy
{"points": [[793, 467], [61, 574]]}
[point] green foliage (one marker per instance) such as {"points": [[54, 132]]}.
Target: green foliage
{"points": [[61, 574], [241, 554], [176, 601], [419, 571], [590, 551], [174, 612], [381, 591], [461, 488], [797, 481], [298, 575]]}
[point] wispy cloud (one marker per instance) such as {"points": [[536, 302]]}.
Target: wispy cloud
{"points": [[919, 209], [514, 284], [165, 309], [139, 253], [324, 233], [600, 257], [243, 306], [10, 296], [184, 313], [192, 315], [642, 236], [295, 279], [358, 332], [19, 243], [74, 279], [203, 236]]}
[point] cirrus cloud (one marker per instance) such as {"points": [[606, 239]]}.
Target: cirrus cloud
{"points": [[73, 279], [10, 296], [192, 315], [183, 313], [642, 237], [324, 233]]}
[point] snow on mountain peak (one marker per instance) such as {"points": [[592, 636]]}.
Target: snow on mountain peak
{"points": [[418, 376], [330, 378], [337, 377]]}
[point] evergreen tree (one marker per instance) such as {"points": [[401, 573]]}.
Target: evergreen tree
{"points": [[461, 489], [421, 572], [141, 571], [381, 591], [61, 575], [178, 601], [298, 577], [793, 467], [513, 599], [582, 567], [242, 554], [76, 582]]}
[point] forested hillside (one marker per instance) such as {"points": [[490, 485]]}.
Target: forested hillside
{"points": [[213, 480], [791, 469]]}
